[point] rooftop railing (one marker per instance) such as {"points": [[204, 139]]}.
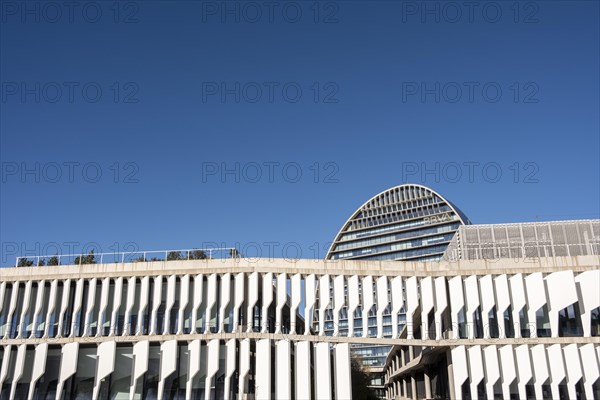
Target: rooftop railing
{"points": [[519, 250], [126, 257]]}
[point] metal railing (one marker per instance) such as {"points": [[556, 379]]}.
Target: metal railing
{"points": [[132, 256]]}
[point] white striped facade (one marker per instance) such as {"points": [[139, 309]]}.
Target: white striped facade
{"points": [[212, 329], [522, 371], [176, 369]]}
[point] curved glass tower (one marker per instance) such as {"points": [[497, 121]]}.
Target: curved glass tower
{"points": [[407, 222]]}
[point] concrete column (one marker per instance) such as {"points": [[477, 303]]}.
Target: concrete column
{"points": [[404, 388], [427, 376], [450, 375], [403, 363], [413, 385]]}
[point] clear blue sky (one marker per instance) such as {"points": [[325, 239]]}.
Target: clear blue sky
{"points": [[187, 89]]}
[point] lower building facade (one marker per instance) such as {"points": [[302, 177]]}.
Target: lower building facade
{"points": [[235, 328]]}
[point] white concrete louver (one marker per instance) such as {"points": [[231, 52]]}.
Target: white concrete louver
{"points": [[239, 299], [212, 365], [382, 302], [263, 372], [39, 305], [472, 302], [267, 299], [244, 358], [198, 291], [77, 318], [557, 368], [590, 299], [140, 366], [412, 303], [296, 300], [252, 299], [486, 288], [397, 303], [171, 284], [102, 314], [18, 370], [105, 365], [368, 301], [536, 297], [88, 311], [427, 304], [525, 364], [475, 367], [214, 297], [310, 301], [194, 348], [339, 302], [541, 372], [441, 304], [517, 292], [492, 369], [225, 297], [211, 300], [144, 289], [324, 288], [114, 315], [168, 363], [525, 373], [63, 308], [283, 375], [512, 362], [502, 299], [231, 357], [562, 286], [525, 294], [457, 303], [184, 299], [68, 365], [39, 366], [592, 366], [281, 299], [322, 366], [21, 328]]}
